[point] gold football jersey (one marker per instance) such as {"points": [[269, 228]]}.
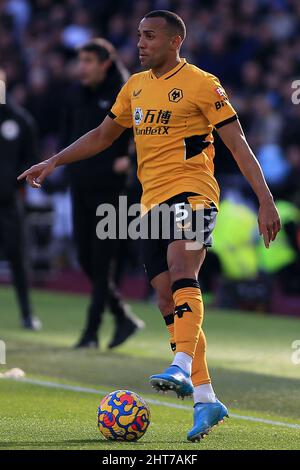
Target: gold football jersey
{"points": [[173, 117]]}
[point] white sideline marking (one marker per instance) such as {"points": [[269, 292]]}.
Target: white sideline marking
{"points": [[74, 388]]}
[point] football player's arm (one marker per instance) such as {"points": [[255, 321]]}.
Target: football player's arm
{"points": [[88, 145], [268, 218]]}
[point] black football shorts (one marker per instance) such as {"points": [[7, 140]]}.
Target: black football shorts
{"points": [[178, 218]]}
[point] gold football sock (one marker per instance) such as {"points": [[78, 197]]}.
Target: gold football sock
{"points": [[169, 320], [188, 315], [200, 374]]}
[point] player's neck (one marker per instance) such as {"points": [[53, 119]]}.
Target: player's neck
{"points": [[166, 67]]}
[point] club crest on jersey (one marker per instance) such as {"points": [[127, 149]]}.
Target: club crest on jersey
{"points": [[138, 116], [175, 95]]}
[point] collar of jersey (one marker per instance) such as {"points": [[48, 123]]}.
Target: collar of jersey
{"points": [[170, 72]]}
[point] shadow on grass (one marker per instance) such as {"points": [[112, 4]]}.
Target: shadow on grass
{"points": [[259, 392], [113, 370]]}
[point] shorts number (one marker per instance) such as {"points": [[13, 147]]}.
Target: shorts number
{"points": [[180, 212]]}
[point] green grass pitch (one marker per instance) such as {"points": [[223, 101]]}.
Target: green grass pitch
{"points": [[249, 357]]}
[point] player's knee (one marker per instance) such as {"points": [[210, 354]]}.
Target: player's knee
{"points": [[180, 270], [165, 304]]}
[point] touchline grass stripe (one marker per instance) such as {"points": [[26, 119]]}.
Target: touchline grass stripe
{"points": [[75, 388]]}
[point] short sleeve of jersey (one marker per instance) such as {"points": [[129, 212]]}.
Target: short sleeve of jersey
{"points": [[214, 103], [121, 110]]}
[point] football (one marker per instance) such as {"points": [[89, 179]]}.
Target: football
{"points": [[123, 416]]}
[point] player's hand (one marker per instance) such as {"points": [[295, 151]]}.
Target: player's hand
{"points": [[37, 173], [268, 221]]}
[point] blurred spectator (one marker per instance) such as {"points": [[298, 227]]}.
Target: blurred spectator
{"points": [[18, 150], [253, 46], [79, 31], [99, 180]]}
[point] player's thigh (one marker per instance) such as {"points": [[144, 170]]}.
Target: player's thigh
{"points": [[185, 259], [192, 234]]}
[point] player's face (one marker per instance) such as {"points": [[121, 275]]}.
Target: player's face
{"points": [[91, 71], [155, 44]]}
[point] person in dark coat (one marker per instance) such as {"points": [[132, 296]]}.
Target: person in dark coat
{"points": [[97, 181], [18, 149]]}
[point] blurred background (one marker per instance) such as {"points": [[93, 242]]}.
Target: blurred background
{"points": [[253, 46]]}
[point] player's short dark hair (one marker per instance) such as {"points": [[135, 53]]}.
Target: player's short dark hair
{"points": [[174, 22], [103, 49]]}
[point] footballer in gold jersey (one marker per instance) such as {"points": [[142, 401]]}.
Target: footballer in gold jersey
{"points": [[173, 117], [173, 108]]}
